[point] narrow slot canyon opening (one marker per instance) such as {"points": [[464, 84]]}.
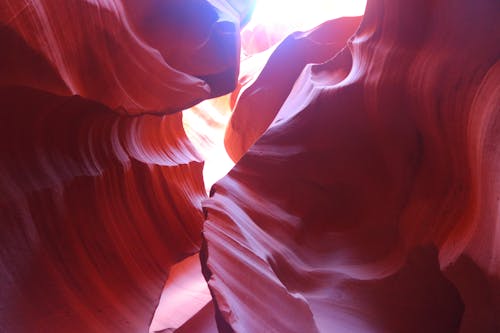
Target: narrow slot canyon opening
{"points": [[271, 22], [358, 152], [205, 125]]}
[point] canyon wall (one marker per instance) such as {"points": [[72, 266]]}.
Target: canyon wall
{"points": [[365, 195]]}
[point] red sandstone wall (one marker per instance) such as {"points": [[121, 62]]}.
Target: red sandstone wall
{"points": [[365, 198]]}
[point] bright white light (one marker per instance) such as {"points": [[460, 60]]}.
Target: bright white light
{"points": [[304, 14]]}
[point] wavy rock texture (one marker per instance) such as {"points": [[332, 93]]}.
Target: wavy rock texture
{"points": [[95, 207], [371, 203], [269, 90], [97, 204], [368, 199], [144, 56]]}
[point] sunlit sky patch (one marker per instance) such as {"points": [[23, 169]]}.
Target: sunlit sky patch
{"points": [[303, 14]]}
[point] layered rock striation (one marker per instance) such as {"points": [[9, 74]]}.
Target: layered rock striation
{"points": [[365, 195]]}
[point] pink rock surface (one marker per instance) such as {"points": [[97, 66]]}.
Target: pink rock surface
{"points": [[370, 204], [258, 104], [95, 207], [184, 296], [366, 196], [140, 56]]}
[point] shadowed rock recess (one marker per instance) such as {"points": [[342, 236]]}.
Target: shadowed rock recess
{"points": [[365, 195]]}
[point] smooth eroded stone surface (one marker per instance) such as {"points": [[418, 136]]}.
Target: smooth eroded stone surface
{"points": [[366, 197], [100, 189], [259, 102], [95, 207], [370, 203], [137, 56]]}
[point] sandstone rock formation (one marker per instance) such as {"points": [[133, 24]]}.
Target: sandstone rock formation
{"points": [[379, 170], [365, 195], [100, 189]]}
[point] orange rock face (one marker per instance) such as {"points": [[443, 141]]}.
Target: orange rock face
{"points": [[365, 197]]}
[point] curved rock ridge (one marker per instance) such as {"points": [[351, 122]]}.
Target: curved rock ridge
{"points": [[365, 198], [371, 203], [259, 102], [136, 56], [100, 190], [95, 207]]}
